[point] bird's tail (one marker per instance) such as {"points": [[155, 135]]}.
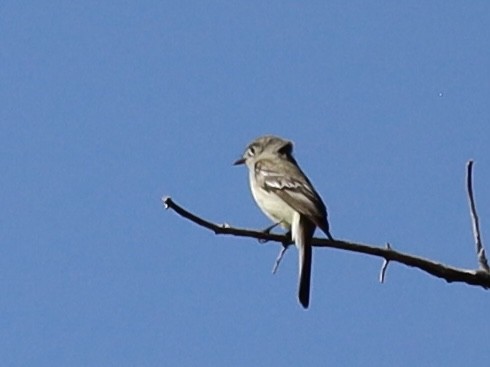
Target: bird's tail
{"points": [[302, 233]]}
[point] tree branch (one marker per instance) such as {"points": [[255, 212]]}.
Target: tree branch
{"points": [[480, 250], [448, 273]]}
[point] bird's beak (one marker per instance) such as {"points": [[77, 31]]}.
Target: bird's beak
{"points": [[239, 161]]}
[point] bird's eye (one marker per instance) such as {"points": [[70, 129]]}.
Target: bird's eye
{"points": [[251, 151]]}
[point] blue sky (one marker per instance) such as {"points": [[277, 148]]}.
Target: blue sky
{"points": [[108, 106]]}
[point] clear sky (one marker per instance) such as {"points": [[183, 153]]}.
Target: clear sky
{"points": [[107, 106]]}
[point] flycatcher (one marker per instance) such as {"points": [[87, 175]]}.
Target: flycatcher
{"points": [[287, 197]]}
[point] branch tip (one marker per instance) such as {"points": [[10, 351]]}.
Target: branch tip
{"points": [[166, 200]]}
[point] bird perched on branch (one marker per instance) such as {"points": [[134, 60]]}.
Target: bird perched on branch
{"points": [[287, 197]]}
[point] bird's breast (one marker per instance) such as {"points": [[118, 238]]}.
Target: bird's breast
{"points": [[273, 206]]}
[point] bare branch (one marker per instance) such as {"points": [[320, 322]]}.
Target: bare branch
{"points": [[224, 228], [448, 273], [480, 250], [384, 266]]}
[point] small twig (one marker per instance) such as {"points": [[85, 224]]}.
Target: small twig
{"points": [[448, 273], [480, 250], [384, 266], [279, 258]]}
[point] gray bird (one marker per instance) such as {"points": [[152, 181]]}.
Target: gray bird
{"points": [[287, 197]]}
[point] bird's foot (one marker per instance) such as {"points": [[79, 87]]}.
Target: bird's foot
{"points": [[267, 231]]}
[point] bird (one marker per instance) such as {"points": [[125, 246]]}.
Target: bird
{"points": [[286, 196]]}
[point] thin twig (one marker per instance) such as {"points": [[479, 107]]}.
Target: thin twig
{"points": [[384, 266], [448, 273], [480, 250], [279, 258]]}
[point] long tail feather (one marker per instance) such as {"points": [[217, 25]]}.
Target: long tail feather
{"points": [[302, 233]]}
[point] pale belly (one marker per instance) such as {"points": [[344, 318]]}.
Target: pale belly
{"points": [[274, 207]]}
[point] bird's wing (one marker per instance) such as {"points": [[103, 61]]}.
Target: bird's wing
{"points": [[291, 185]]}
